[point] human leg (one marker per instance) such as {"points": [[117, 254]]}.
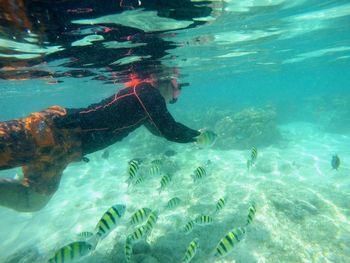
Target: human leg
{"points": [[15, 195], [43, 152]]}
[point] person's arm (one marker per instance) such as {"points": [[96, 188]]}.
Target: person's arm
{"points": [[161, 123]]}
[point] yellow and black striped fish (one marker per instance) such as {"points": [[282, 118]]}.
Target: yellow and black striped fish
{"points": [[206, 139], [109, 220], [139, 180], [151, 221], [251, 213], [138, 234], [164, 182], [220, 204], [204, 220], [173, 202], [199, 173], [253, 157], [157, 162], [154, 170], [71, 252], [128, 249], [228, 242], [253, 154], [140, 215], [189, 227], [191, 251], [133, 169]]}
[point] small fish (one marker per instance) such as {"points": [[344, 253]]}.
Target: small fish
{"points": [[85, 235], [206, 138], [253, 157], [164, 182], [191, 251], [204, 220], [157, 162], [128, 249], [71, 252], [335, 162], [173, 202], [199, 173], [133, 169], [140, 216], [138, 234], [251, 213], [151, 221], [253, 154], [228, 242], [109, 220], [189, 227], [220, 204], [105, 154], [85, 159], [154, 170], [139, 180]]}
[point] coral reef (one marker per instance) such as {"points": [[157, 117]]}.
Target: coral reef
{"points": [[242, 130]]}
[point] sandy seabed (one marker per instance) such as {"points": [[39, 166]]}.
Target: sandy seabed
{"points": [[303, 206]]}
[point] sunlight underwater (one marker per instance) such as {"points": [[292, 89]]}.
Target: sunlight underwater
{"points": [[299, 215]]}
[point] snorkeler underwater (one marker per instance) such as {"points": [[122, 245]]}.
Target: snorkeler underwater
{"points": [[174, 131]]}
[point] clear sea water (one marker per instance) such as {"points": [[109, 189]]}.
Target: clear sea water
{"points": [[270, 74]]}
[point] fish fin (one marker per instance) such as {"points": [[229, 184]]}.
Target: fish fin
{"points": [[80, 237]]}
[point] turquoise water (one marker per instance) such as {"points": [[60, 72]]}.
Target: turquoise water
{"points": [[269, 74]]}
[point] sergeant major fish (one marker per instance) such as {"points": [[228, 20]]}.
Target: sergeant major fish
{"points": [[191, 251], [128, 249], [173, 202], [204, 220], [220, 204], [253, 157], [207, 138], [199, 173], [251, 213], [133, 169], [189, 227], [71, 252], [228, 242], [140, 215], [151, 221], [154, 170], [164, 182], [138, 234], [109, 220]]}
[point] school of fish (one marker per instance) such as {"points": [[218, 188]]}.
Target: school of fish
{"points": [[144, 220]]}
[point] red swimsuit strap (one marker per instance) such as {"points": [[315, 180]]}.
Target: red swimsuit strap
{"points": [[133, 92]]}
